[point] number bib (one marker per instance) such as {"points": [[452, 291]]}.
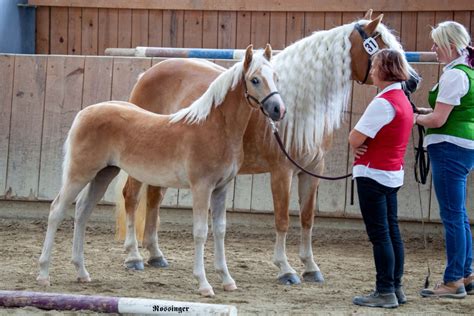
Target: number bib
{"points": [[371, 46]]}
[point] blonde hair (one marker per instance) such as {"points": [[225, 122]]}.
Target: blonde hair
{"points": [[450, 32]]}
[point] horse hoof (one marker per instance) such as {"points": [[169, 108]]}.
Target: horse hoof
{"points": [[135, 265], [313, 276], [159, 262], [86, 279], [289, 279], [43, 281], [209, 292], [230, 287]]}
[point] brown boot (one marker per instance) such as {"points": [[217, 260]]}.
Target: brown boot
{"points": [[453, 289], [469, 284]]}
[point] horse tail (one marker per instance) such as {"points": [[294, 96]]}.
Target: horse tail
{"points": [[120, 214]]}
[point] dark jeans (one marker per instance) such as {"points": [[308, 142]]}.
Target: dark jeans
{"points": [[378, 204]]}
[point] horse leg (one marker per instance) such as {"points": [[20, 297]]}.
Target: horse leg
{"points": [[201, 201], [131, 190], [307, 192], [155, 196], [281, 187], [88, 199], [218, 212], [66, 196]]}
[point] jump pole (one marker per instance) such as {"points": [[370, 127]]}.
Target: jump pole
{"points": [[209, 53], [109, 304]]}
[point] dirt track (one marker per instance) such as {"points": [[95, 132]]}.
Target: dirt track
{"points": [[341, 250]]}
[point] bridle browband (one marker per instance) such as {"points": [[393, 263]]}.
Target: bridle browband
{"points": [[366, 37]]}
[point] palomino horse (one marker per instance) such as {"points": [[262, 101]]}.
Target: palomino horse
{"points": [[314, 80], [167, 151]]}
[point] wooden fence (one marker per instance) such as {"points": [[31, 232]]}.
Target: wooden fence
{"points": [[82, 27], [40, 95]]}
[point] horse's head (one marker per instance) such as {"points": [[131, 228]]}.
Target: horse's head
{"points": [[366, 39], [259, 82]]}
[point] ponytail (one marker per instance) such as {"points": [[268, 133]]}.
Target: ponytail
{"points": [[470, 56]]}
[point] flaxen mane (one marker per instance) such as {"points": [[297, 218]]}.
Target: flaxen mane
{"points": [[215, 94], [315, 84]]}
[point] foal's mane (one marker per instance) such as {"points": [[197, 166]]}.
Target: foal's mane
{"points": [[215, 94], [315, 84]]}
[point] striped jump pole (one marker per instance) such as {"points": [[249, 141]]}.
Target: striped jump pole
{"points": [[108, 304], [209, 53]]}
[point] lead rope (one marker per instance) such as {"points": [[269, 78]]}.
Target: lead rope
{"points": [[282, 147], [422, 161], [425, 243]]}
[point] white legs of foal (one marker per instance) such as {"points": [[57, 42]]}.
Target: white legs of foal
{"points": [[84, 207], [218, 211], [66, 196], [202, 199]]}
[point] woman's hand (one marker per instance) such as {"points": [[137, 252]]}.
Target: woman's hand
{"points": [[423, 111], [359, 151]]}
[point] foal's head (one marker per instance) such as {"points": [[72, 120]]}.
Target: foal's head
{"points": [[259, 81]]}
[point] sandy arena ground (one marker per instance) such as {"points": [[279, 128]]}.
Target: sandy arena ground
{"points": [[341, 249]]}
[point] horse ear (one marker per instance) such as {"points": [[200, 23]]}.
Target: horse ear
{"points": [[372, 26], [268, 52], [248, 57], [368, 15]]}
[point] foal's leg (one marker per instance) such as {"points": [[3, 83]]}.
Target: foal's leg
{"points": [[155, 196], [130, 191], [201, 201], [281, 187], [307, 191], [66, 196], [218, 212], [84, 206]]}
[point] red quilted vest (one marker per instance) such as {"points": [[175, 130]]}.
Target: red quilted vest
{"points": [[387, 149]]}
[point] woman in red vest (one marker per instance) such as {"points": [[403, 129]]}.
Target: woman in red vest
{"points": [[379, 141]]}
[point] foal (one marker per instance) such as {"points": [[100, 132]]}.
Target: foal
{"points": [[168, 151]]}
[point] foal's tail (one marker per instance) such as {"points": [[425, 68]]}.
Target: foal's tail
{"points": [[140, 213]]}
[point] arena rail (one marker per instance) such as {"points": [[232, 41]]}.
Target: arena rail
{"points": [[210, 53]]}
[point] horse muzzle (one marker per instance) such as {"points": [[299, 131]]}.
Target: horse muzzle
{"points": [[274, 107]]}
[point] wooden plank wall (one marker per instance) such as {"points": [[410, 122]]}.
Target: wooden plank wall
{"points": [[40, 95], [88, 30]]}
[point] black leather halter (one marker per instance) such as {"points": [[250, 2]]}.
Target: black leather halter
{"points": [[261, 103], [364, 36]]}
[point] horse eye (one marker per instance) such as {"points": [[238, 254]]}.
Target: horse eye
{"points": [[255, 81]]}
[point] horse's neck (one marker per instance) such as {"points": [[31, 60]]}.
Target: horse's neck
{"points": [[236, 112]]}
